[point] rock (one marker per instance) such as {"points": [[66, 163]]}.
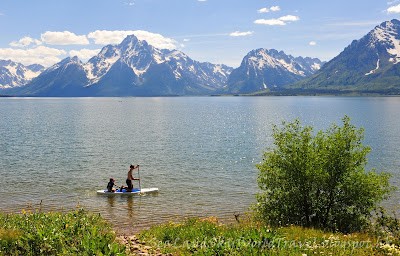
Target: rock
{"points": [[136, 247]]}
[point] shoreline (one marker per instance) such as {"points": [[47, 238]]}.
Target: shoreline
{"points": [[62, 233]]}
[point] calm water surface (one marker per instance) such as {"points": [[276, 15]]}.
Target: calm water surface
{"points": [[199, 151]]}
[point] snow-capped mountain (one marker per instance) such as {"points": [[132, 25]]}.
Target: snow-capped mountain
{"points": [[262, 69], [64, 79], [132, 68], [370, 63], [13, 74]]}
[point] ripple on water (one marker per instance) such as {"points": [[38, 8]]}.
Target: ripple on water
{"points": [[199, 151]]}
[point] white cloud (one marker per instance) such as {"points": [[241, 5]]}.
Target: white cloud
{"points": [[25, 41], [129, 4], [275, 8], [392, 2], [357, 23], [45, 61], [313, 43], [394, 9], [270, 22], [84, 54], [104, 37], [186, 40], [39, 55], [289, 18], [63, 38], [280, 21], [263, 10], [238, 33], [109, 37], [156, 40], [202, 0]]}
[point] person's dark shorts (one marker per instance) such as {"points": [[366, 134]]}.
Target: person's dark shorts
{"points": [[129, 183]]}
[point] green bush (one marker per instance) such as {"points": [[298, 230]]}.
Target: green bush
{"points": [[55, 233], [319, 180]]}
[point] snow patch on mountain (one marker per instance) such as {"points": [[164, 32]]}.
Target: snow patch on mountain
{"points": [[316, 66], [29, 74], [373, 71], [99, 65], [14, 74], [387, 34], [140, 72], [218, 69]]}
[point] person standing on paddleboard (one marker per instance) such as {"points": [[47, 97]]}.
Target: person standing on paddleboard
{"points": [[130, 178]]}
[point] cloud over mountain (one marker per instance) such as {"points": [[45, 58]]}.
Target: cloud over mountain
{"points": [[63, 38], [394, 9], [25, 41], [84, 54], [105, 37], [38, 55], [36, 50]]}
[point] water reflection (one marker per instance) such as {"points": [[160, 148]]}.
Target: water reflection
{"points": [[111, 201], [130, 204]]}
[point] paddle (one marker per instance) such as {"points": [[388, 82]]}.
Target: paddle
{"points": [[140, 188]]}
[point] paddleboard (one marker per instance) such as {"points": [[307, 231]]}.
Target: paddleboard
{"points": [[124, 192]]}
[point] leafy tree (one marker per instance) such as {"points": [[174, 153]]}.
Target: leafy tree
{"points": [[319, 180]]}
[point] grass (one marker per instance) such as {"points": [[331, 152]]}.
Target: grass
{"points": [[249, 237], [34, 232]]}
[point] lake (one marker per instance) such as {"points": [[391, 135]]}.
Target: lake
{"points": [[199, 151]]}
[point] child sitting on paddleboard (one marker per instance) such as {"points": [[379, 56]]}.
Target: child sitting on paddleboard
{"points": [[111, 184]]}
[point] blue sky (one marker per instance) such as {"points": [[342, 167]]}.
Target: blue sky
{"points": [[217, 31]]}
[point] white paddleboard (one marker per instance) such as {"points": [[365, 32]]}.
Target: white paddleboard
{"points": [[124, 192]]}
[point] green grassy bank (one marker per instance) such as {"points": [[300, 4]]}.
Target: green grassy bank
{"points": [[249, 237], [34, 232], [81, 233]]}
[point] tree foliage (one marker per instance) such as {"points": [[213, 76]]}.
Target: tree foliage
{"points": [[319, 179]]}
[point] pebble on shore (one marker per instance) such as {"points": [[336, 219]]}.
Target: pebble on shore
{"points": [[136, 247]]}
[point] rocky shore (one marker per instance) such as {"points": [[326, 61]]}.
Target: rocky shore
{"points": [[136, 247]]}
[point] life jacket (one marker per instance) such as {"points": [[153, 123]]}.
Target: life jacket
{"points": [[110, 185]]}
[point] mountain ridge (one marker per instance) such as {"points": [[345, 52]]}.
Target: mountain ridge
{"points": [[268, 68], [371, 63], [132, 68], [14, 74]]}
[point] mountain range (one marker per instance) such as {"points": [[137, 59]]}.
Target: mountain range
{"points": [[371, 63], [132, 68], [135, 68]]}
